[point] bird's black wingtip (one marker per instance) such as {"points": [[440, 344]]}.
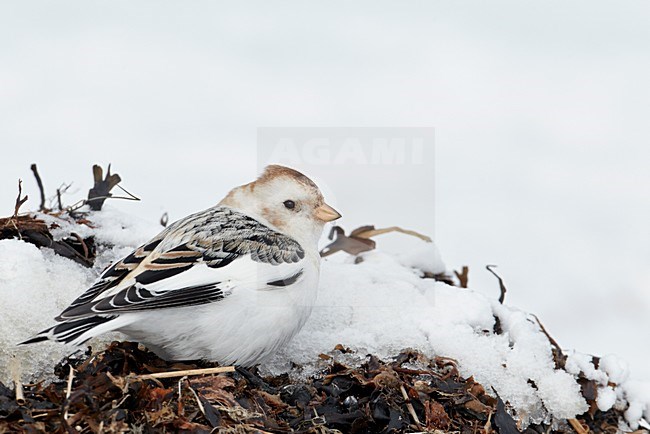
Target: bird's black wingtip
{"points": [[37, 338]]}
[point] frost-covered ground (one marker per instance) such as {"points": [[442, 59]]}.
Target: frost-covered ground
{"points": [[380, 305]]}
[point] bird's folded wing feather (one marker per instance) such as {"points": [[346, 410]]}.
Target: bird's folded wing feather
{"points": [[199, 259]]}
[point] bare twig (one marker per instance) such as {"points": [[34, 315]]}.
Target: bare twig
{"points": [[75, 206], [318, 420], [578, 426], [19, 200], [57, 199], [83, 244], [180, 395], [410, 408], [65, 187], [13, 223], [550, 338], [124, 398], [198, 400], [131, 195], [15, 369], [188, 372], [502, 286], [41, 207], [488, 424], [111, 197], [68, 391], [20, 396]]}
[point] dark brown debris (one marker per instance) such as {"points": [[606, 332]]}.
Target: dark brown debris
{"points": [[105, 393], [360, 240], [35, 231], [407, 394], [351, 244], [102, 188], [39, 182], [463, 276], [502, 286]]}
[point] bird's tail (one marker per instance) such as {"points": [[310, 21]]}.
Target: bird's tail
{"points": [[76, 331]]}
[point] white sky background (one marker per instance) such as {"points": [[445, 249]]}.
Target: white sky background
{"points": [[540, 108]]}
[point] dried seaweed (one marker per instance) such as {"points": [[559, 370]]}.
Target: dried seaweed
{"points": [[110, 392], [35, 231], [102, 188], [32, 228], [502, 286], [360, 241]]}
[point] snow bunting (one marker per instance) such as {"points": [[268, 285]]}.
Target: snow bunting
{"points": [[230, 284]]}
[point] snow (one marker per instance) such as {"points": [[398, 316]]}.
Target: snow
{"points": [[426, 258], [606, 398], [637, 395], [35, 286], [578, 362], [616, 389], [109, 226], [616, 368], [380, 305]]}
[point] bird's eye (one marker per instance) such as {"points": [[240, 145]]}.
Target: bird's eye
{"points": [[289, 204]]}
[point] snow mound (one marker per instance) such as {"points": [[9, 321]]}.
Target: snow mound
{"points": [[379, 305], [426, 258], [35, 286]]}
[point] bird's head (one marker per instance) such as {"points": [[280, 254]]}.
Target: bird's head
{"points": [[287, 199]]}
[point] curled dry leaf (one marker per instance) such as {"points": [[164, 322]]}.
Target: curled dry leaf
{"points": [[359, 240]]}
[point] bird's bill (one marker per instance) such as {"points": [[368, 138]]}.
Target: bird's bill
{"points": [[326, 213]]}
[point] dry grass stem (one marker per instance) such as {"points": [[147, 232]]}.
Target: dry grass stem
{"points": [[188, 372], [577, 426], [68, 391], [20, 396], [410, 408]]}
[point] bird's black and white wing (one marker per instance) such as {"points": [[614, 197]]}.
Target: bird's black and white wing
{"points": [[197, 260]]}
